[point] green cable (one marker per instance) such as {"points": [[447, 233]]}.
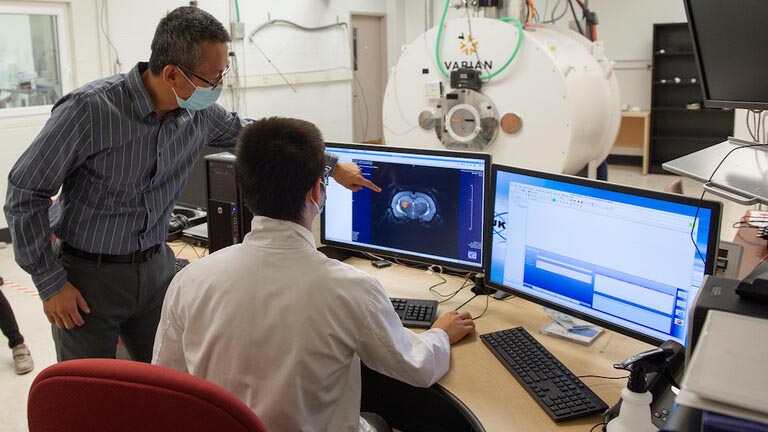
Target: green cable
{"points": [[439, 36], [486, 77], [237, 10], [517, 47]]}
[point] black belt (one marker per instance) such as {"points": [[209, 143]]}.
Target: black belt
{"points": [[131, 258]]}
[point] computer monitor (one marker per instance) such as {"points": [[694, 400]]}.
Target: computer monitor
{"points": [[618, 256], [728, 37], [430, 209]]}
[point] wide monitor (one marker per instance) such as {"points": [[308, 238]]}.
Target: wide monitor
{"points": [[625, 258], [728, 37], [431, 207]]}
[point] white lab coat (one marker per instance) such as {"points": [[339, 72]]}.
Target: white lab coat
{"points": [[284, 328]]}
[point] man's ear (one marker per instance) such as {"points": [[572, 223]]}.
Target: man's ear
{"points": [[316, 191], [171, 76]]}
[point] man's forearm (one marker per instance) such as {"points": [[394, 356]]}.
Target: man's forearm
{"points": [[27, 216], [330, 162]]}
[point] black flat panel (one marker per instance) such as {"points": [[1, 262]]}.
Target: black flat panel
{"points": [[675, 130]]}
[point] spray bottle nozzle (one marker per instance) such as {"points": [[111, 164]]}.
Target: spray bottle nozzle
{"points": [[638, 365]]}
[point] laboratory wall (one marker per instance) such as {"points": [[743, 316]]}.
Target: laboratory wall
{"points": [[19, 130], [319, 62]]}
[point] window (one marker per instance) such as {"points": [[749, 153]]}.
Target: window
{"points": [[34, 57]]}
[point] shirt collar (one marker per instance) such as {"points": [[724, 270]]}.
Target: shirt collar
{"points": [[279, 233], [141, 99]]}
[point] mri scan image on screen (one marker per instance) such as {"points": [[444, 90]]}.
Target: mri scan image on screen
{"points": [[430, 208], [417, 209]]}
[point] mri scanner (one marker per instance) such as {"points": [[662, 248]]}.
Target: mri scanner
{"points": [[543, 97]]}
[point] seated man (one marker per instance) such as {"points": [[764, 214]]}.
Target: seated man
{"points": [[279, 324]]}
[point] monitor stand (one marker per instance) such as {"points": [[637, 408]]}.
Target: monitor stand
{"points": [[754, 287], [501, 295], [335, 253]]}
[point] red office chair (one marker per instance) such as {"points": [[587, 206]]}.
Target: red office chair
{"points": [[120, 395]]}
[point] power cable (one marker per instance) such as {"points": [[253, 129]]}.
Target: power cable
{"points": [[106, 35], [575, 18]]}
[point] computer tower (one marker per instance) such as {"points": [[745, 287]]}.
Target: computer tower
{"points": [[229, 219]]}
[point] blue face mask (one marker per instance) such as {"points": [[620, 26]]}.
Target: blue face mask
{"points": [[201, 98]]}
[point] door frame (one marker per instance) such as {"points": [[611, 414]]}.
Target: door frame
{"points": [[383, 43]]}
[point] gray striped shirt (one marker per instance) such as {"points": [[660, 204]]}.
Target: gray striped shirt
{"points": [[121, 169]]}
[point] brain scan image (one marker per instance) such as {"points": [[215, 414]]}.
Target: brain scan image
{"points": [[413, 206], [417, 209]]}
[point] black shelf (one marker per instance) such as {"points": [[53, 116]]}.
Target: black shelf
{"points": [[675, 130], [683, 109], [682, 83], [676, 84], [671, 54], [688, 138]]}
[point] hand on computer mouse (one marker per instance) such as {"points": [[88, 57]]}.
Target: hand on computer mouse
{"points": [[455, 324]]}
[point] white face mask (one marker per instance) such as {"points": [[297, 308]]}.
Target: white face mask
{"points": [[320, 208]]}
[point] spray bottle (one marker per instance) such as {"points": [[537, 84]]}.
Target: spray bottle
{"points": [[635, 412]]}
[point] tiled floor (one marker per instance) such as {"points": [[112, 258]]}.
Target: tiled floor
{"points": [[36, 329]]}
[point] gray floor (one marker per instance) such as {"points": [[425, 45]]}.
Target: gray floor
{"points": [[36, 329]]}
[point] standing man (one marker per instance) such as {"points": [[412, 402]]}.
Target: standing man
{"points": [[121, 149]]}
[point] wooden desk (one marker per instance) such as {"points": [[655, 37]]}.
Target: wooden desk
{"points": [[476, 377], [481, 382], [634, 136]]}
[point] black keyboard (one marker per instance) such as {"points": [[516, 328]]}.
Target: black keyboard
{"points": [[552, 385], [414, 312], [181, 263]]}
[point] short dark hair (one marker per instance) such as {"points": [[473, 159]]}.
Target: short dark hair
{"points": [[278, 161], [178, 37]]}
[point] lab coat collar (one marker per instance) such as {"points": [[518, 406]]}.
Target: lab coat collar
{"points": [[270, 232]]}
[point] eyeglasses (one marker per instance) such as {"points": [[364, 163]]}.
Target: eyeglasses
{"points": [[211, 85], [326, 175]]}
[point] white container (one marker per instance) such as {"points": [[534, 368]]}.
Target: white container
{"points": [[634, 415]]}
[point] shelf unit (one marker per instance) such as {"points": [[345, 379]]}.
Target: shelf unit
{"points": [[676, 130], [633, 138]]}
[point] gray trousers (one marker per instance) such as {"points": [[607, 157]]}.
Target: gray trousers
{"points": [[125, 301]]}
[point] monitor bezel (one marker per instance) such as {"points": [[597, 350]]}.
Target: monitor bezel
{"points": [[712, 244], [486, 157], [709, 102]]}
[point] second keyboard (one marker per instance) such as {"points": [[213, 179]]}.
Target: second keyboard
{"points": [[560, 393], [414, 312]]}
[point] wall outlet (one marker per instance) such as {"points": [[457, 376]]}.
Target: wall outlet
{"points": [[237, 30], [433, 90], [728, 259]]}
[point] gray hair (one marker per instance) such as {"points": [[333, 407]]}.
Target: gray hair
{"points": [[178, 37]]}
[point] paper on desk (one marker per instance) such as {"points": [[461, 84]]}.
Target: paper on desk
{"points": [[726, 373]]}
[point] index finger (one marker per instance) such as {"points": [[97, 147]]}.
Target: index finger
{"points": [[369, 184]]}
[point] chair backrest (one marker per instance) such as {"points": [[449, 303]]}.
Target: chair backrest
{"points": [[120, 395]]}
